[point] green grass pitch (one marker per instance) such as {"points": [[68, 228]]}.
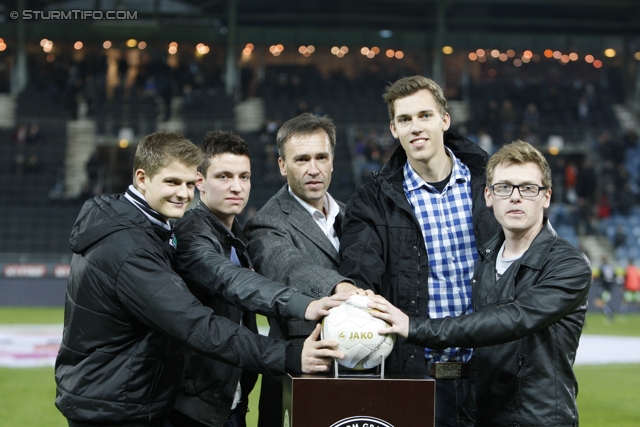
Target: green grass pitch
{"points": [[607, 395]]}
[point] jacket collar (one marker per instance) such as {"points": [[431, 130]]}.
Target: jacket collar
{"points": [[235, 237], [302, 221], [537, 253], [464, 149]]}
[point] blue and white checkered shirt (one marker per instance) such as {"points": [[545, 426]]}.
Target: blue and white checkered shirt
{"points": [[447, 227]]}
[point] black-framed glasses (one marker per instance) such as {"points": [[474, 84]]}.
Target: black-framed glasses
{"points": [[526, 190]]}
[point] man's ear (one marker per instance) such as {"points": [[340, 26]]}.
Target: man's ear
{"points": [[393, 129], [487, 197], [447, 121], [200, 183], [140, 179], [283, 166], [547, 198]]}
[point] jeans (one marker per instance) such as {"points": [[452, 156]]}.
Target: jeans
{"points": [[450, 398]]}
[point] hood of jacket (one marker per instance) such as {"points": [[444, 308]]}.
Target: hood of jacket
{"points": [[107, 214]]}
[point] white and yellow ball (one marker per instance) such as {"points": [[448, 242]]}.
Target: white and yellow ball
{"points": [[356, 331]]}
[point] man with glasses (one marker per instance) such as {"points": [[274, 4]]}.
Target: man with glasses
{"points": [[530, 291]]}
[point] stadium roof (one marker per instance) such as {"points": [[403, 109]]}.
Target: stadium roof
{"points": [[406, 22]]}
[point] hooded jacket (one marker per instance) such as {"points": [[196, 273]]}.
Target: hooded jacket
{"points": [[382, 245], [203, 261], [127, 314], [525, 330]]}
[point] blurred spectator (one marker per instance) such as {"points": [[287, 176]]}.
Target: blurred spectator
{"points": [[630, 139], [19, 135], [605, 281], [531, 117], [527, 134], [509, 118], [586, 185], [303, 107], [620, 237], [604, 207], [492, 119], [19, 166], [631, 295], [373, 149], [35, 136], [269, 132], [583, 109], [485, 141], [318, 110], [570, 180]]}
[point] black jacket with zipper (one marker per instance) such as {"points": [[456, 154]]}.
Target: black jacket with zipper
{"points": [[525, 330], [203, 261], [127, 314], [382, 246]]}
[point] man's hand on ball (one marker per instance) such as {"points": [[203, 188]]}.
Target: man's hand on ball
{"points": [[317, 355], [383, 309], [319, 308], [351, 289]]}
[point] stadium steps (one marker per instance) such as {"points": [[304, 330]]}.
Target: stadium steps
{"points": [[249, 115], [81, 142], [596, 247], [627, 118]]}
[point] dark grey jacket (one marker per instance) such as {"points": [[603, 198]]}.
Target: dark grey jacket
{"points": [[127, 315], [383, 248], [203, 261], [286, 245], [525, 330]]}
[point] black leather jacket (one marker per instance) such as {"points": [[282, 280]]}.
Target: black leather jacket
{"points": [[203, 260], [127, 315], [382, 246], [525, 330]]}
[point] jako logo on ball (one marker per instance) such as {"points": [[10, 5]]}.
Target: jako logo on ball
{"points": [[356, 330]]}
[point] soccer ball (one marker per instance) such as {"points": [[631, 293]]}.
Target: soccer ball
{"points": [[356, 331]]}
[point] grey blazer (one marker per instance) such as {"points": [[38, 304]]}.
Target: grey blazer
{"points": [[286, 245]]}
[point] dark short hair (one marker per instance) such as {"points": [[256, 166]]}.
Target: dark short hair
{"points": [[159, 149], [408, 86], [221, 142], [305, 124]]}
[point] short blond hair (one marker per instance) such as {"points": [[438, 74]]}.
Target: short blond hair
{"points": [[519, 152], [159, 149]]}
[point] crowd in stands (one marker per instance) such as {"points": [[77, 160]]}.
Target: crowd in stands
{"points": [[84, 86], [26, 142], [597, 185]]}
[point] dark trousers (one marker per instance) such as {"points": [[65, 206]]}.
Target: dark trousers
{"points": [[270, 405], [89, 424], [178, 419], [450, 399]]}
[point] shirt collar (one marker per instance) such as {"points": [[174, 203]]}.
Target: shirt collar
{"points": [[413, 181], [330, 205]]}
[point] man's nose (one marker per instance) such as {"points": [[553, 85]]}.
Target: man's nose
{"points": [[416, 127], [235, 185], [313, 167]]}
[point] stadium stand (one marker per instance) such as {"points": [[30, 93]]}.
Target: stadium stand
{"points": [[571, 106]]}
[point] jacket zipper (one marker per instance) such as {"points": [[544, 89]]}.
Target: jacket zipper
{"points": [[418, 283], [517, 405], [155, 387]]}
